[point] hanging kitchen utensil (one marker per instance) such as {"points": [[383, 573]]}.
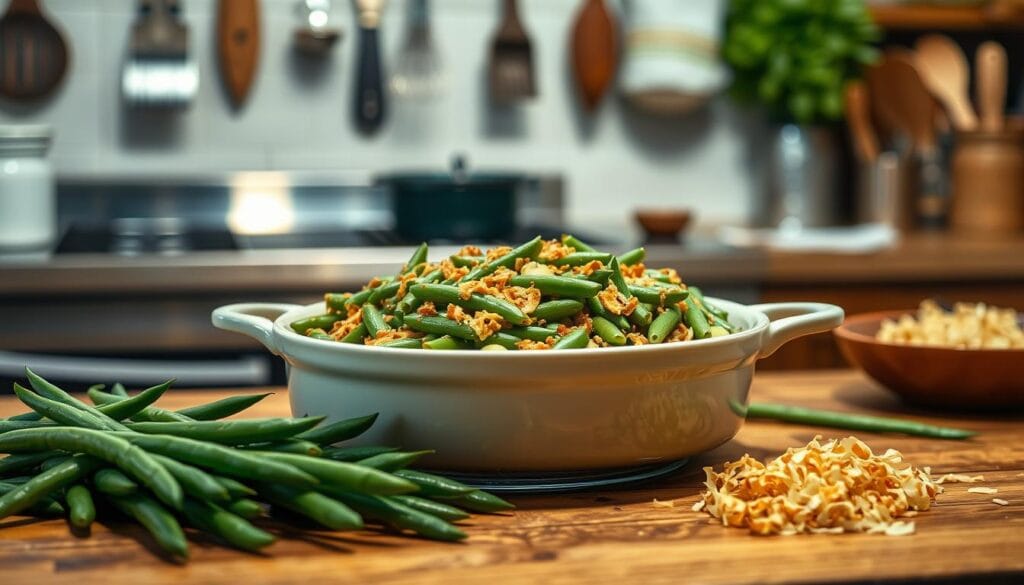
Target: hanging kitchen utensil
{"points": [[35, 55], [158, 70], [511, 75], [238, 41], [945, 72], [316, 37], [370, 106], [418, 72], [990, 85], [671, 62], [595, 51]]}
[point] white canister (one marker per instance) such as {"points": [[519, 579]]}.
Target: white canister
{"points": [[28, 207]]}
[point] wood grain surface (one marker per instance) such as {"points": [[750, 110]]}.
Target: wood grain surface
{"points": [[613, 535]]}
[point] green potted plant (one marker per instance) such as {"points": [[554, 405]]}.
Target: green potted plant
{"points": [[794, 58]]}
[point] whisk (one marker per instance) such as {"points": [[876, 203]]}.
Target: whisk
{"points": [[419, 72]]}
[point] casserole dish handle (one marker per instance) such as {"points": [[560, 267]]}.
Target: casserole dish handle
{"points": [[253, 319], [792, 320]]}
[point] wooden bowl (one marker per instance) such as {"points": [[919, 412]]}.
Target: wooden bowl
{"points": [[936, 377], [662, 224]]}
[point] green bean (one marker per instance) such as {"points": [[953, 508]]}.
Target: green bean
{"points": [[581, 258], [354, 453], [557, 309], [658, 296], [634, 256], [232, 529], [403, 343], [45, 483], [118, 390], [52, 392], [444, 293], [500, 338], [245, 508], [46, 507], [433, 485], [32, 416], [356, 335], [315, 506], [600, 277], [231, 432], [349, 476], [641, 317], [317, 322], [129, 407], [17, 425], [440, 326], [608, 331], [663, 326], [419, 256], [158, 522], [575, 339], [562, 286], [194, 481], [574, 242], [222, 408], [374, 320], [81, 508], [319, 334], [150, 413], [338, 431], [401, 516], [109, 446], [696, 320], [227, 461], [481, 501], [336, 302], [598, 310], [393, 461], [465, 261], [441, 510], [408, 304], [714, 315], [857, 422], [447, 342], [297, 446], [60, 412], [384, 291], [236, 489], [13, 463], [359, 298], [527, 250], [531, 333], [112, 482]]}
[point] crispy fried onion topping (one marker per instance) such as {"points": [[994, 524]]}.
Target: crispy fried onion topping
{"points": [[833, 486], [615, 302]]}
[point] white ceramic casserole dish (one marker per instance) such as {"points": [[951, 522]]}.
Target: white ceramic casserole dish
{"points": [[573, 414]]}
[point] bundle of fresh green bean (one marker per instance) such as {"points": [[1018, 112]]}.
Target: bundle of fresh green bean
{"points": [[555, 294], [162, 468]]}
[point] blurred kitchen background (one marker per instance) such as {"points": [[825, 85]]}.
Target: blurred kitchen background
{"points": [[159, 158]]}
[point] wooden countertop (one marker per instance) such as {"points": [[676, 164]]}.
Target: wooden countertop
{"points": [[613, 535]]}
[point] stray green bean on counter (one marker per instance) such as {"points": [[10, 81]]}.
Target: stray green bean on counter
{"points": [[543, 294], [166, 469]]}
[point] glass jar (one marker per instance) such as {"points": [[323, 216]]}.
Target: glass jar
{"points": [[28, 209]]}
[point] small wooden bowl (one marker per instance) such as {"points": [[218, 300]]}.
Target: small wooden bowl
{"points": [[663, 224], [935, 377]]}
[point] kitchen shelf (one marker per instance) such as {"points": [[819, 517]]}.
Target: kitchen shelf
{"points": [[999, 14]]}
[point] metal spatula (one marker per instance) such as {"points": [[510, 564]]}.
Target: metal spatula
{"points": [[159, 71], [511, 73]]}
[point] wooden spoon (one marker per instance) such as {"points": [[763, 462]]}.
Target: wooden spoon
{"points": [[944, 70], [35, 56], [595, 51], [990, 85], [858, 117], [238, 36]]}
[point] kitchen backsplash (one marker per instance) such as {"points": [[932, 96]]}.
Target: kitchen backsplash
{"points": [[299, 113]]}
